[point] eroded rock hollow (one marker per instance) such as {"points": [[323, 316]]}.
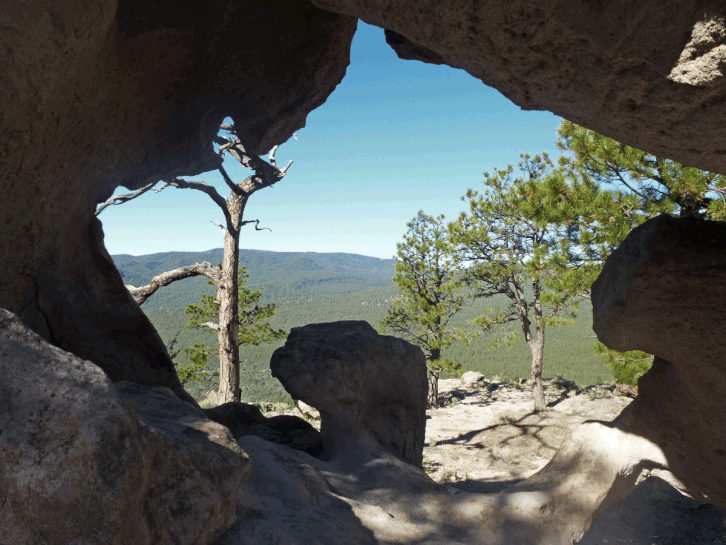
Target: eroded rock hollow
{"points": [[104, 94], [101, 94]]}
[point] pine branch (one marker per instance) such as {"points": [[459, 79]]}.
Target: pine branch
{"points": [[121, 199]]}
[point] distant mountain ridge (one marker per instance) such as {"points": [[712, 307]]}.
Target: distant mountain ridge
{"points": [[279, 275]]}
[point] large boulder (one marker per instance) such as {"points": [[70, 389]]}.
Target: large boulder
{"points": [[116, 93], [102, 94], [370, 389], [663, 291], [294, 499], [82, 461]]}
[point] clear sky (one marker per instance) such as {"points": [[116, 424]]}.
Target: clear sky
{"points": [[395, 137]]}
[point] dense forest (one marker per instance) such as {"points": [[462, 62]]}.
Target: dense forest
{"points": [[320, 287]]}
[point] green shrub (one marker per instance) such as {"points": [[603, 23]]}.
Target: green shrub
{"points": [[627, 367]]}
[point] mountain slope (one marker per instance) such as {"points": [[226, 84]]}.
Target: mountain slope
{"points": [[311, 288], [278, 274]]}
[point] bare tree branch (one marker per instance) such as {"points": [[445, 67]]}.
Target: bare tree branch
{"points": [[141, 294], [121, 199], [273, 161], [257, 225], [209, 190], [210, 325], [200, 186], [233, 186]]}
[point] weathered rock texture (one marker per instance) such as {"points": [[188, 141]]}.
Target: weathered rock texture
{"points": [[103, 94], [663, 291], [370, 389], [195, 467], [84, 462], [99, 94], [647, 73], [294, 499]]}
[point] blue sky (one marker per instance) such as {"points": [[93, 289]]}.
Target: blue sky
{"points": [[395, 137]]}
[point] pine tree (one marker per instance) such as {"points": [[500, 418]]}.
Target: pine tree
{"points": [[252, 327], [647, 185], [659, 184], [524, 237], [430, 283]]}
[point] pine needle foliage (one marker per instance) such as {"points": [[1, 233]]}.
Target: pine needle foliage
{"points": [[636, 185], [431, 286], [523, 238], [660, 185], [254, 328]]}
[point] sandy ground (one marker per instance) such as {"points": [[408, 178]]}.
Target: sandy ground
{"points": [[487, 439], [490, 435]]}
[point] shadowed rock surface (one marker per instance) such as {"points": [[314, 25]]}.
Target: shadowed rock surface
{"points": [[647, 73], [663, 291], [244, 419], [370, 389], [82, 461], [106, 94]]}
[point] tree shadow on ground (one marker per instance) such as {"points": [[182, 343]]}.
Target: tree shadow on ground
{"points": [[657, 514], [531, 429]]}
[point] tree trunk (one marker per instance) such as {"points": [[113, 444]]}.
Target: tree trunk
{"points": [[433, 397], [434, 371], [228, 297], [537, 348]]}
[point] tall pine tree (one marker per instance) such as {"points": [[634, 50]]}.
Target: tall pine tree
{"points": [[523, 238], [430, 283]]}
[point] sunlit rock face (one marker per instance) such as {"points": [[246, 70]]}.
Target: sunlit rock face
{"points": [[647, 73], [103, 94], [370, 389], [97, 95], [663, 291], [100, 94]]}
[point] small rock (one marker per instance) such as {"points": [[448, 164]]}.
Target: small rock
{"points": [[625, 390], [370, 389], [471, 378], [307, 410]]}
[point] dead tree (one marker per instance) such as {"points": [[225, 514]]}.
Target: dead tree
{"points": [[224, 276]]}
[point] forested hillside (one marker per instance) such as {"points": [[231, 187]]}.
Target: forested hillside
{"points": [[278, 274], [314, 287]]}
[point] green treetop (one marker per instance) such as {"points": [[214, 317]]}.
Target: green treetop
{"points": [[645, 185], [659, 184], [523, 238]]}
